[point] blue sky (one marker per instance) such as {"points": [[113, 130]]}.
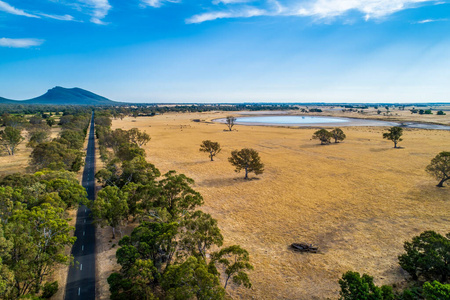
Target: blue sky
{"points": [[228, 50]]}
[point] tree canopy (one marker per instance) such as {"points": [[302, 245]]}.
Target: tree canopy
{"points": [[323, 135], [394, 134], [213, 148], [10, 138], [440, 167], [248, 160], [338, 135], [230, 120]]}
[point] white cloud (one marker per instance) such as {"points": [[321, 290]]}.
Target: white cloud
{"points": [[370, 8], [231, 1], [15, 11], [20, 43], [158, 3], [210, 16], [320, 9], [58, 17], [431, 21], [100, 9]]}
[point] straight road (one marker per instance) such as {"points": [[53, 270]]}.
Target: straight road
{"points": [[81, 278]]}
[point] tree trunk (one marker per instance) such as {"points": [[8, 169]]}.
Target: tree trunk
{"points": [[114, 232], [211, 155], [246, 174], [441, 183], [395, 144]]}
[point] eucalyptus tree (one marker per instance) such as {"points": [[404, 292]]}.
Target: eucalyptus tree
{"points": [[440, 167], [394, 134], [213, 148], [248, 160]]}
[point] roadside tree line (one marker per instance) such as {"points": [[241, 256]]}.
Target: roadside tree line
{"points": [[169, 255], [34, 223]]}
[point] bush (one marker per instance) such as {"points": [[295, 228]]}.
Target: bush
{"points": [[50, 288], [441, 113]]}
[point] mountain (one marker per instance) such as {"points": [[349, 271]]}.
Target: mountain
{"points": [[62, 96]]}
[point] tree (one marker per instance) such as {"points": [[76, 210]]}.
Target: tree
{"points": [[441, 113], [10, 138], [212, 148], [40, 237], [440, 167], [235, 260], [436, 290], [427, 255], [176, 195], [323, 135], [137, 137], [50, 122], [36, 120], [136, 283], [394, 134], [191, 280], [357, 287], [111, 207], [338, 135], [201, 233], [230, 120], [247, 159], [38, 136]]}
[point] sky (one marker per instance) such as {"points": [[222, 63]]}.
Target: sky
{"points": [[228, 50]]}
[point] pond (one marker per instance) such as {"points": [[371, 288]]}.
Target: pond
{"points": [[318, 121]]}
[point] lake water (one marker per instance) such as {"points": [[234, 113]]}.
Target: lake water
{"points": [[318, 121]]}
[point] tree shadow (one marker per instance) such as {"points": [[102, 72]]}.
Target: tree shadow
{"points": [[219, 182]]}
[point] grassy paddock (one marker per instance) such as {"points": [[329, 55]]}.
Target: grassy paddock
{"points": [[358, 200]]}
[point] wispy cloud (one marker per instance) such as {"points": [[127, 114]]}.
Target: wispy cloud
{"points": [[431, 21], [157, 3], [210, 16], [231, 1], [58, 17], [20, 43], [319, 9], [15, 11], [99, 10]]}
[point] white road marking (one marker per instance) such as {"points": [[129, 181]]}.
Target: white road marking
{"points": [[82, 247], [81, 267], [79, 290], [84, 232], [84, 220]]}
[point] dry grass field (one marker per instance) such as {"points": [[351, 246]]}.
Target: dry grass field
{"points": [[358, 200], [19, 161]]}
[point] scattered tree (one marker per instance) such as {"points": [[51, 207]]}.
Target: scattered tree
{"points": [[427, 255], [235, 260], [230, 120], [50, 122], [338, 135], [394, 134], [440, 167], [212, 148], [247, 159], [441, 113], [138, 137], [10, 138], [323, 135]]}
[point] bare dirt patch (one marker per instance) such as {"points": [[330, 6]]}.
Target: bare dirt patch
{"points": [[358, 200]]}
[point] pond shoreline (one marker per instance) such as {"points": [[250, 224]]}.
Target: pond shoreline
{"points": [[347, 122]]}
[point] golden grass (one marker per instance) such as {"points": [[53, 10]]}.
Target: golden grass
{"points": [[358, 200], [18, 162]]}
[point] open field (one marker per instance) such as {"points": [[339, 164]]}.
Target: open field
{"points": [[19, 161], [358, 200]]}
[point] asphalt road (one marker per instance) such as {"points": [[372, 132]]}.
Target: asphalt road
{"points": [[81, 278]]}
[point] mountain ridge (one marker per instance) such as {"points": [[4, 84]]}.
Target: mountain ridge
{"points": [[64, 96]]}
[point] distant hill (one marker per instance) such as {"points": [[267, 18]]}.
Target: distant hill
{"points": [[62, 96]]}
